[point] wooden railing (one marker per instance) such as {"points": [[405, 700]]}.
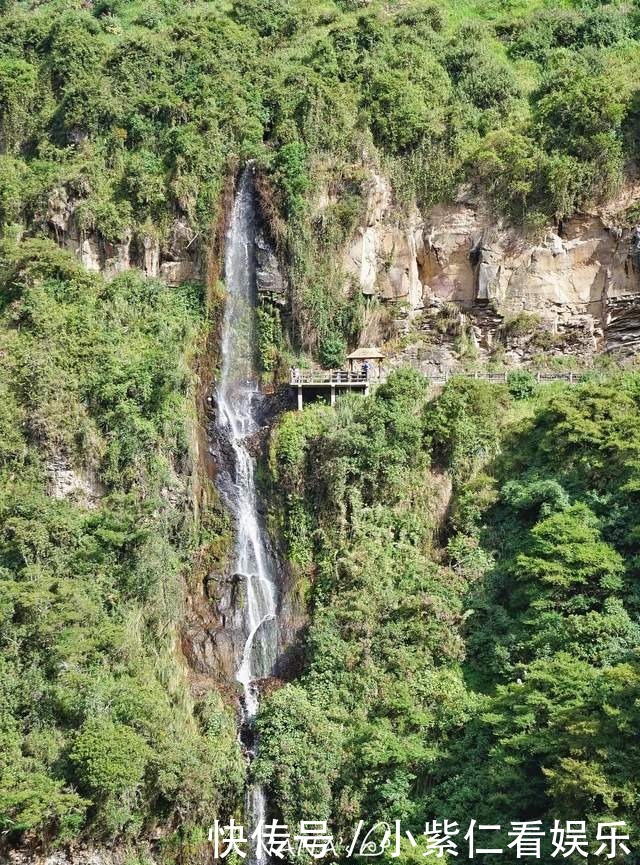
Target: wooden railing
{"points": [[328, 376], [502, 377], [338, 376]]}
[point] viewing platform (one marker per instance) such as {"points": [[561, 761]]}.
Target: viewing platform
{"points": [[330, 382]]}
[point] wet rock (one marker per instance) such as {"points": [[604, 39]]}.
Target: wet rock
{"points": [[269, 280], [214, 632]]}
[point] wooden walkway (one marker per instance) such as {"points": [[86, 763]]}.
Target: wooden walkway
{"points": [[311, 377], [332, 381], [329, 376], [502, 377]]}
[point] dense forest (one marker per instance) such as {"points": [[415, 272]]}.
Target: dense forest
{"points": [[98, 729], [472, 663], [466, 561]]}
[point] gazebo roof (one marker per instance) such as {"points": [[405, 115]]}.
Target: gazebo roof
{"points": [[366, 354]]}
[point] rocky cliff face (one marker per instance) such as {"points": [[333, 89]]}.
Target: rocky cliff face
{"points": [[457, 270], [178, 258], [214, 631], [453, 274], [175, 259], [270, 283], [80, 485]]}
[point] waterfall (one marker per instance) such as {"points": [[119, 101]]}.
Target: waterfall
{"points": [[238, 402]]}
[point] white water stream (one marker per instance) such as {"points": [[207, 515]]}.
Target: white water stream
{"points": [[238, 402]]}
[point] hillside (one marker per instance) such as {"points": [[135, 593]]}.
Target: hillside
{"points": [[455, 607], [121, 122]]}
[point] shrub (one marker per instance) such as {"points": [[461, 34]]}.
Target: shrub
{"points": [[576, 111], [144, 183], [488, 82], [292, 175], [332, 350], [74, 52], [521, 383], [570, 29], [403, 112], [109, 759], [33, 801], [509, 165], [269, 331], [267, 17], [449, 319], [461, 426], [18, 82], [422, 17], [605, 27], [523, 324]]}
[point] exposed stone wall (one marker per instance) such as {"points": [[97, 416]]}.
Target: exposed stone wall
{"points": [[386, 253], [271, 284], [582, 279], [65, 481], [175, 259]]}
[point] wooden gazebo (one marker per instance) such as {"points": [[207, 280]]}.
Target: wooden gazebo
{"points": [[372, 356]]}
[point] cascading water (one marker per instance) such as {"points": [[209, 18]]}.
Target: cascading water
{"points": [[238, 403]]}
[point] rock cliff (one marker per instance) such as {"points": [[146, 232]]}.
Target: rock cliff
{"points": [[175, 259], [457, 270], [451, 282]]}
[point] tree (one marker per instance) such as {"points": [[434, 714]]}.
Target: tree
{"points": [[404, 112], [300, 754], [460, 426]]}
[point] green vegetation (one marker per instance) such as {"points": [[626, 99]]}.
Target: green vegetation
{"points": [[269, 334], [472, 658], [521, 383], [98, 735], [141, 110], [468, 562]]}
